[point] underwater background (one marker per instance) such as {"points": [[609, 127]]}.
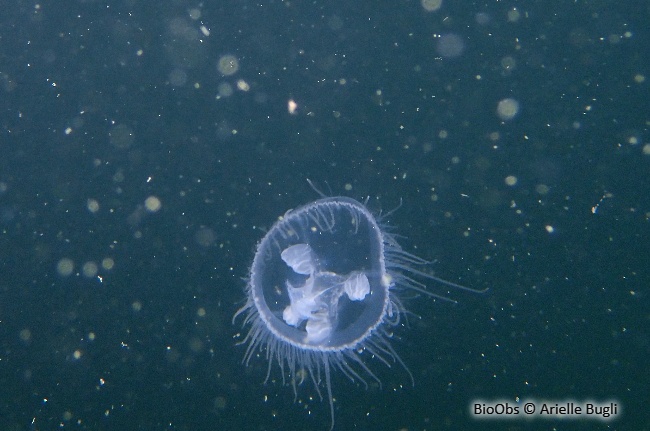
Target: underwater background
{"points": [[145, 148]]}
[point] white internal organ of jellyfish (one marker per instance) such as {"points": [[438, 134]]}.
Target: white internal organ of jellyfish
{"points": [[316, 300]]}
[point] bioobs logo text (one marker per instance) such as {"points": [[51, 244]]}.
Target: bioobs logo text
{"points": [[487, 410]]}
